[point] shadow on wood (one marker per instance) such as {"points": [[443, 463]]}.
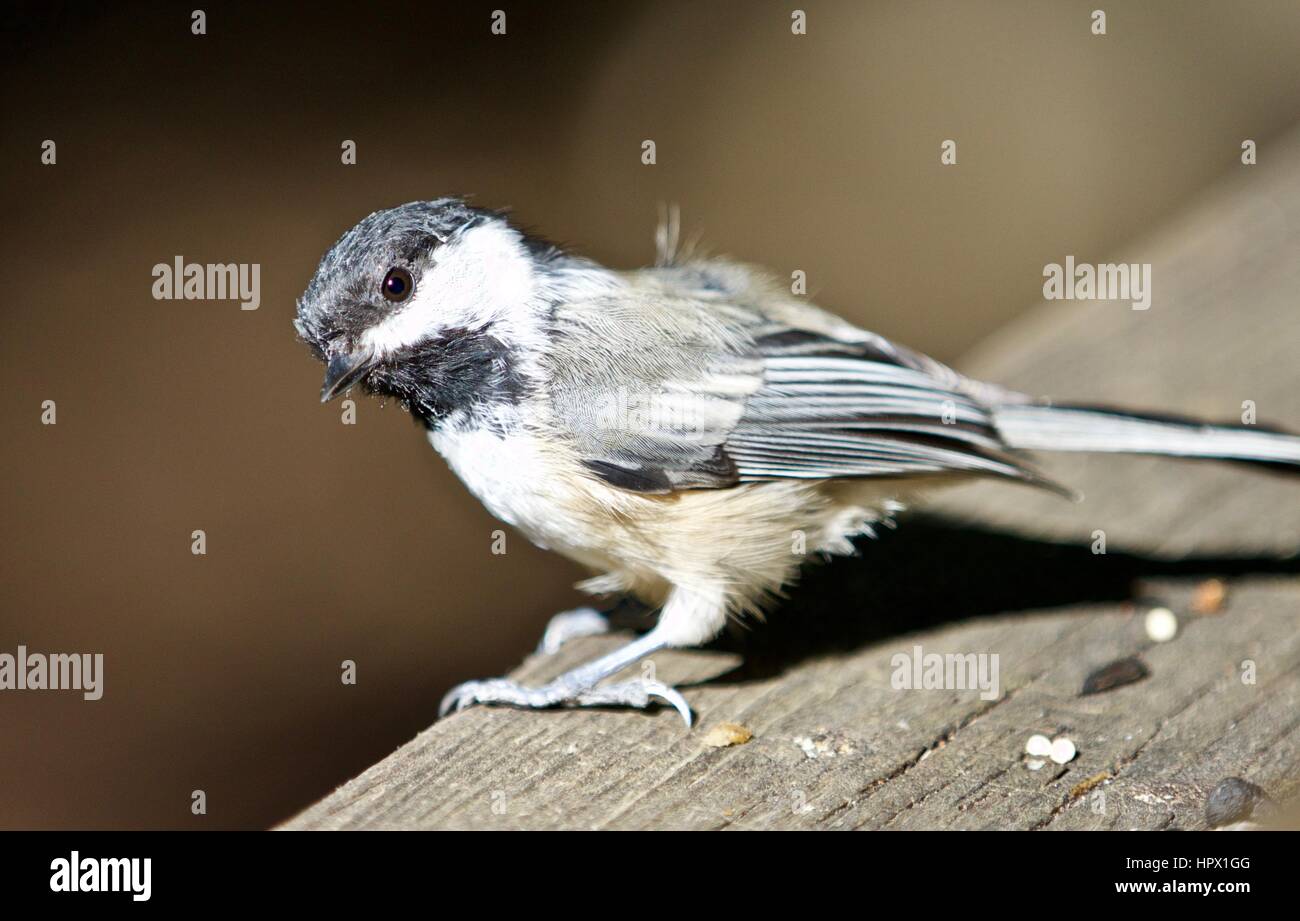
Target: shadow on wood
{"points": [[931, 571]]}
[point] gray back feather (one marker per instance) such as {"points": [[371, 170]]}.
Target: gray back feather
{"points": [[702, 375]]}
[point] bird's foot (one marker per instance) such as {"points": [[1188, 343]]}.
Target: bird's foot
{"points": [[569, 625], [639, 693]]}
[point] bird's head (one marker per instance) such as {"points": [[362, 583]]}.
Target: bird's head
{"points": [[437, 303]]}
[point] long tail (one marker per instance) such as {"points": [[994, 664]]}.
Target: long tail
{"points": [[1091, 428]]}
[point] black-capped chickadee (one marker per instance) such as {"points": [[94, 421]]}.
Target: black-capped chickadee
{"points": [[685, 430]]}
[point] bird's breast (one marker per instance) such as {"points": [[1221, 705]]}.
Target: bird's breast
{"points": [[517, 479]]}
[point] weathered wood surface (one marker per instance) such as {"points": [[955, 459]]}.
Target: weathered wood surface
{"points": [[835, 746]]}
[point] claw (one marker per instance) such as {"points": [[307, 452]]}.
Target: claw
{"points": [[673, 696], [459, 697], [451, 700]]}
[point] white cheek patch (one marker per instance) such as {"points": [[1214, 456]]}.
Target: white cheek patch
{"points": [[483, 277]]}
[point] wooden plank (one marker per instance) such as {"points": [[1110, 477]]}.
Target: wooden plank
{"points": [[999, 571]]}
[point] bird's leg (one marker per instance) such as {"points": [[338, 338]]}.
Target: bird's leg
{"points": [[578, 687], [625, 614], [689, 618], [570, 625]]}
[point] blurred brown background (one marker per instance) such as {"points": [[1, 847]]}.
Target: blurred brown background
{"points": [[329, 542]]}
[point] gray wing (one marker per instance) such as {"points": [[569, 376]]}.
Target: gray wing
{"points": [[829, 408], [648, 387], [706, 380]]}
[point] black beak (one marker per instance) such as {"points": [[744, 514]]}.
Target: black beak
{"points": [[344, 370]]}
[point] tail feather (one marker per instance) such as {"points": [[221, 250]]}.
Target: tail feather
{"points": [[1038, 427]]}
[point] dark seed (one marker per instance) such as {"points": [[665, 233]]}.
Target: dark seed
{"points": [[1232, 800], [1115, 675]]}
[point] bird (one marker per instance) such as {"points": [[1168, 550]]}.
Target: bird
{"points": [[691, 433]]}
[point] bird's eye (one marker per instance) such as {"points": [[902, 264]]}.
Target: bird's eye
{"points": [[397, 285]]}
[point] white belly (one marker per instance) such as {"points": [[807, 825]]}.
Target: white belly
{"points": [[510, 476]]}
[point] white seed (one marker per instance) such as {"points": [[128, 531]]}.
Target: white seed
{"points": [[1063, 750], [1034, 764], [1161, 624], [1038, 746]]}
